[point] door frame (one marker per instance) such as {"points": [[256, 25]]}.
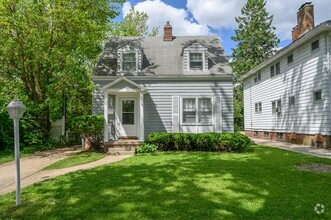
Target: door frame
{"points": [[119, 111]]}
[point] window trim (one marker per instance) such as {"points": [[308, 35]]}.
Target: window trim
{"points": [[196, 123], [274, 71], [259, 107], [314, 96], [272, 109], [122, 61], [291, 107], [318, 45], [257, 77], [290, 62], [189, 60]]}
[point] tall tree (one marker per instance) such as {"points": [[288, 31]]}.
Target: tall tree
{"points": [[134, 24], [256, 41], [51, 46]]}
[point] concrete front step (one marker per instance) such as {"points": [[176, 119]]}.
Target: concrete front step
{"points": [[121, 147], [123, 152]]}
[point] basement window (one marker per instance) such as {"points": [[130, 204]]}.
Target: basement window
{"points": [[266, 134], [280, 136]]}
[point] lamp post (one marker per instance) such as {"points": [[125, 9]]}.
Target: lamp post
{"points": [[16, 110]]}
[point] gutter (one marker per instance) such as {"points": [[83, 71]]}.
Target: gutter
{"points": [[167, 77], [300, 41]]}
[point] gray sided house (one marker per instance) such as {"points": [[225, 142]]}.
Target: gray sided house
{"points": [[287, 97], [163, 84]]}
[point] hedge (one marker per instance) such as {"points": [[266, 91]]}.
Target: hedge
{"points": [[229, 142]]}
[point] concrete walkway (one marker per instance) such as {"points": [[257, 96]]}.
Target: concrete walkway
{"points": [[32, 167], [318, 152]]}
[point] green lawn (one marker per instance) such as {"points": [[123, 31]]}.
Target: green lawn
{"points": [[77, 159], [263, 184]]}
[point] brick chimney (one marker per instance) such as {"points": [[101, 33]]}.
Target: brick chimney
{"points": [[167, 32], [305, 19]]}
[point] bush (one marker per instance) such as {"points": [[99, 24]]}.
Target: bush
{"points": [[230, 142], [146, 148], [91, 129]]}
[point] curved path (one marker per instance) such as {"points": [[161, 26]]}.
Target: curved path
{"points": [[32, 167]]}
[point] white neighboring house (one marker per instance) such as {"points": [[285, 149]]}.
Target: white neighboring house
{"points": [[287, 97]]}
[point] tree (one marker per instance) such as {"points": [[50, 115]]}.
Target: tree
{"points": [[256, 41], [134, 24], [51, 47]]}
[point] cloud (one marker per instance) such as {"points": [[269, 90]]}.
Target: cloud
{"points": [[222, 13], [159, 13]]}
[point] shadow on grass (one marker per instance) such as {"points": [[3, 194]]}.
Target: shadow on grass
{"points": [[263, 184]]}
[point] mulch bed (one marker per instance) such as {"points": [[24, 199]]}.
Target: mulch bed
{"points": [[316, 167]]}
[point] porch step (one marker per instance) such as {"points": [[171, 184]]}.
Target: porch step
{"points": [[121, 147]]}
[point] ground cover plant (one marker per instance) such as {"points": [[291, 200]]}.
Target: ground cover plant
{"points": [[77, 159], [263, 184]]}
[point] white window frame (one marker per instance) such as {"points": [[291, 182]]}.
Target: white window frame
{"points": [[291, 105], [196, 123], [277, 106], [274, 67], [317, 48], [314, 95], [189, 60], [257, 77], [122, 61], [258, 107]]}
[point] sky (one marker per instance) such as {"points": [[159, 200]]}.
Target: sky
{"points": [[217, 17]]}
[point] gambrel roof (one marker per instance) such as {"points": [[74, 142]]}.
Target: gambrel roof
{"points": [[164, 57]]}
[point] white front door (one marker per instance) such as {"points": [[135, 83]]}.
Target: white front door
{"points": [[128, 117]]}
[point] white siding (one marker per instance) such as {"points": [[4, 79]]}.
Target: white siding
{"points": [[306, 74], [158, 101]]}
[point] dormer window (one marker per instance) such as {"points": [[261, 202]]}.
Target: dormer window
{"points": [[196, 61], [129, 62]]}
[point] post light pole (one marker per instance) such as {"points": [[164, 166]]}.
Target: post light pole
{"points": [[16, 110]]}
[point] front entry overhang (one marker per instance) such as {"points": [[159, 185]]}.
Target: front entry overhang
{"points": [[122, 87]]}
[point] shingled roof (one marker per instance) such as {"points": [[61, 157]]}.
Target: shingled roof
{"points": [[163, 57]]}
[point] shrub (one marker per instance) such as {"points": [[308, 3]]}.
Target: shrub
{"points": [[230, 142], [146, 148], [91, 129]]}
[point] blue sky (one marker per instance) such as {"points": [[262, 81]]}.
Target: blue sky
{"points": [[217, 17]]}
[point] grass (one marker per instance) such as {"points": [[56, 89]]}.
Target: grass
{"points": [[263, 184], [77, 159]]}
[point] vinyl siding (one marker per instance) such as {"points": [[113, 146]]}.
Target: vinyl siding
{"points": [[158, 101], [306, 74]]}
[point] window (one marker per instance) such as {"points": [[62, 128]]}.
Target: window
{"points": [[256, 133], [196, 62], [128, 112], [291, 102], [290, 59], [266, 134], [257, 77], [318, 95], [276, 106], [129, 61], [197, 110], [189, 111], [280, 136], [315, 45], [204, 110], [258, 107], [275, 69]]}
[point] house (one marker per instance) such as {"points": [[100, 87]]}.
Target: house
{"points": [[287, 97], [163, 84]]}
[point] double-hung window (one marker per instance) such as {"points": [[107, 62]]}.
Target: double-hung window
{"points": [[196, 61], [257, 77], [129, 62], [258, 107], [275, 69], [276, 106], [197, 111]]}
